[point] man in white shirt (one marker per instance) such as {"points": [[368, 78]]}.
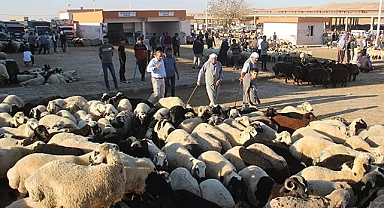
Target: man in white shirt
{"points": [[28, 58], [157, 69]]}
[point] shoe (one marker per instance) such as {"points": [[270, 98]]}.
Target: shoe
{"points": [[193, 67], [143, 79], [127, 81]]}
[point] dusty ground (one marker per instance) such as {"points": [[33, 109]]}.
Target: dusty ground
{"points": [[363, 98]]}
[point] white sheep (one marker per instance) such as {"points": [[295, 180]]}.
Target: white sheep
{"points": [[169, 102], [358, 143], [182, 179], [158, 157], [214, 191], [162, 113], [55, 105], [14, 100], [339, 134], [373, 135], [307, 132], [73, 140], [110, 111], [182, 137], [39, 80], [338, 198], [232, 122], [218, 167], [60, 183], [4, 76], [106, 126], [6, 119], [51, 121], [96, 109], [25, 77], [136, 170], [10, 155], [179, 156], [5, 108], [67, 114], [25, 130], [56, 79], [235, 136], [270, 134], [26, 166], [124, 104], [207, 142], [163, 128], [214, 133], [353, 175], [233, 156], [274, 159], [141, 111], [25, 203], [308, 148], [10, 142], [75, 103], [18, 119], [300, 109], [189, 124]]}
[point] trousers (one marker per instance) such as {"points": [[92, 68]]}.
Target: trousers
{"points": [[158, 90], [105, 72]]}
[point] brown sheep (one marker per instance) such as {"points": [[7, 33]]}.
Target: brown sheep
{"points": [[291, 124]]}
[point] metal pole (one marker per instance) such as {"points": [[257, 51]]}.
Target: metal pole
{"points": [[378, 23], [93, 6], [130, 5], [206, 14]]}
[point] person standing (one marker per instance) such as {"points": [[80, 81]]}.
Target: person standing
{"points": [[161, 39], [47, 42], [176, 45], [263, 53], [249, 64], [274, 38], [223, 56], [171, 72], [54, 41], [198, 48], [250, 89], [157, 69], [122, 59], [32, 42], [254, 45], [213, 73], [63, 41], [105, 55], [167, 41], [341, 47], [153, 43], [236, 50], [211, 41], [141, 56], [350, 49], [42, 43]]}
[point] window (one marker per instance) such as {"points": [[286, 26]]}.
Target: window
{"points": [[310, 30]]}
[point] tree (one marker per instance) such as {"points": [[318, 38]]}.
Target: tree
{"points": [[228, 10]]}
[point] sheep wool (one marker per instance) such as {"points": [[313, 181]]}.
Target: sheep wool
{"points": [[60, 183], [181, 136], [307, 132], [14, 100], [26, 166], [214, 133], [207, 142], [304, 150], [214, 191], [51, 121], [169, 102], [233, 156], [181, 178]]}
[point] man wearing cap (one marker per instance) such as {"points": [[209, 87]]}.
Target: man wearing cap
{"points": [[213, 72], [157, 69], [245, 77]]}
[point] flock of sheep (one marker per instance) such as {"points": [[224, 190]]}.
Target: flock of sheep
{"points": [[10, 74], [126, 152]]}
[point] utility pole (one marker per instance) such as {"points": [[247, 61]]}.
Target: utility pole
{"points": [[378, 23], [206, 14], [130, 5], [93, 4]]}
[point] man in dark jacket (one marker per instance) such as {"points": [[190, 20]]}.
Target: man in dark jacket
{"points": [[223, 56], [198, 47]]}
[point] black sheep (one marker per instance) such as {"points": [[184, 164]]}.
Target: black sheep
{"points": [[54, 149], [284, 68], [319, 75], [177, 115]]}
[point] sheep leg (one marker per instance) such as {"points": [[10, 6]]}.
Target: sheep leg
{"points": [[354, 77], [21, 195]]}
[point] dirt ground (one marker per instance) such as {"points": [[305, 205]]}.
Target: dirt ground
{"points": [[363, 98]]}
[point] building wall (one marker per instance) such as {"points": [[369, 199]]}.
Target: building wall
{"points": [[286, 31], [88, 17], [162, 27], [90, 31], [303, 36]]}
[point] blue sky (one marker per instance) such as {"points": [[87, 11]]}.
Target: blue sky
{"points": [[46, 9]]}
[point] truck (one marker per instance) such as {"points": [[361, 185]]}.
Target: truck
{"points": [[14, 30], [65, 25], [39, 27]]}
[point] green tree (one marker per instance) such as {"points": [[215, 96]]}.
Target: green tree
{"points": [[228, 11]]}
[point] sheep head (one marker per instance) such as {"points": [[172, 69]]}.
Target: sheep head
{"points": [[338, 198], [101, 153], [362, 164], [141, 111], [236, 186], [305, 107], [234, 113], [110, 111], [163, 128], [296, 186], [283, 137], [160, 160], [355, 126], [198, 169], [18, 119]]}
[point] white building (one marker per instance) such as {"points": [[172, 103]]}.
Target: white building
{"points": [[297, 30]]}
